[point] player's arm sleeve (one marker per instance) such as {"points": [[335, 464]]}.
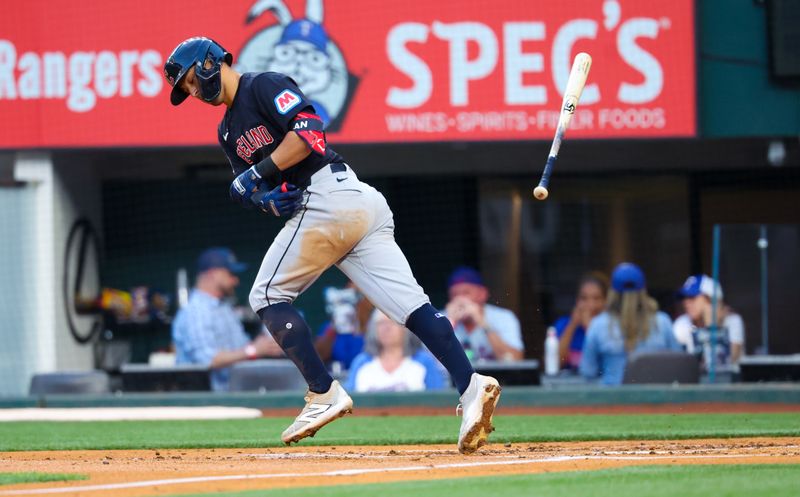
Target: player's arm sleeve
{"points": [[310, 128], [280, 98]]}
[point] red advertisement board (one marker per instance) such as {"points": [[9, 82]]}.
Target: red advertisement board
{"points": [[90, 74]]}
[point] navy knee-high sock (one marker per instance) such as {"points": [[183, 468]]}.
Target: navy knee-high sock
{"points": [[436, 332], [291, 332]]}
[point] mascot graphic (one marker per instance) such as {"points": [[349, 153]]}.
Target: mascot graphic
{"points": [[301, 49]]}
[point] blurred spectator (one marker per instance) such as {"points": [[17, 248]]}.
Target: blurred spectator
{"points": [[691, 328], [207, 330], [393, 360], [571, 330], [485, 331], [630, 324], [341, 339]]}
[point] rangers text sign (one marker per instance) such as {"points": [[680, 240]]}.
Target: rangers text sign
{"points": [[376, 71]]}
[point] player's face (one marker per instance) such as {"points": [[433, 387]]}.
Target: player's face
{"points": [[476, 293], [191, 85], [591, 299]]}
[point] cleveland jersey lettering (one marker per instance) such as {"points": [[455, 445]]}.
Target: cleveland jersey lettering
{"points": [[267, 106], [251, 141]]}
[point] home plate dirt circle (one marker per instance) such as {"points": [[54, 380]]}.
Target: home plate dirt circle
{"points": [[164, 472]]}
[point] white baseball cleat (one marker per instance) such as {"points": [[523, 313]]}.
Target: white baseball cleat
{"points": [[320, 409], [477, 404]]}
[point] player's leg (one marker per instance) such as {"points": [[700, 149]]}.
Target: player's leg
{"points": [[288, 268], [334, 218], [283, 275], [380, 270], [317, 236]]}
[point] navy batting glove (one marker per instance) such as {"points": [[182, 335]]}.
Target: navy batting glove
{"points": [[244, 186], [283, 200]]}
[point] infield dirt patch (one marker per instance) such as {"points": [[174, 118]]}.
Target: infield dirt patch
{"points": [[166, 472]]}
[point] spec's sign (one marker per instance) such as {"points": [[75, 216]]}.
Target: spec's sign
{"points": [[391, 71]]}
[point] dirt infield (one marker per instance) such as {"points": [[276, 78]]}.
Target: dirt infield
{"points": [[164, 472], [694, 408]]}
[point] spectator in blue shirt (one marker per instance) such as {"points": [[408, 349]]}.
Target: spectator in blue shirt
{"points": [[207, 331], [571, 330], [631, 324]]}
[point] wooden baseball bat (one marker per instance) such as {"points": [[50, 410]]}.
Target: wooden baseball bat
{"points": [[575, 84]]}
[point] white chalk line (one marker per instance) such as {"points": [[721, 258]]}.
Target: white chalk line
{"points": [[354, 472]]}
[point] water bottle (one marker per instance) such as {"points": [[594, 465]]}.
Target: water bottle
{"points": [[551, 353]]}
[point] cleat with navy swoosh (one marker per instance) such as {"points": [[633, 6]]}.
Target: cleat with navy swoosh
{"points": [[320, 409]]}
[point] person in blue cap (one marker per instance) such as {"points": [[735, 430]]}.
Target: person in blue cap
{"points": [[697, 294], [207, 331], [630, 324], [485, 331]]}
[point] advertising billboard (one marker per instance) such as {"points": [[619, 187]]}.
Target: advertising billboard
{"points": [[90, 74]]}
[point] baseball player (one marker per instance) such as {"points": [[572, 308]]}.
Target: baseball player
{"points": [[277, 148]]}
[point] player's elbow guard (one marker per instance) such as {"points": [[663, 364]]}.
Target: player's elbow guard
{"points": [[310, 128]]}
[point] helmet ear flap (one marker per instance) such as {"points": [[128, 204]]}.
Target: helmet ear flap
{"points": [[209, 79]]}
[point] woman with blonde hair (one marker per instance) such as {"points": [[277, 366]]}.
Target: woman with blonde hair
{"points": [[630, 324]]}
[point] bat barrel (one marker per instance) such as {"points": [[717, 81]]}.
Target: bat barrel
{"points": [[548, 169]]}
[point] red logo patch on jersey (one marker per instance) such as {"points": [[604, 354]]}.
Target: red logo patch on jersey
{"points": [[286, 100]]}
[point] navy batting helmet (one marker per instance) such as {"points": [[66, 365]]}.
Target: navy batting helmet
{"points": [[195, 52]]}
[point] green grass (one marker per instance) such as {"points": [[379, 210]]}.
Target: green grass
{"points": [[391, 430], [634, 481], [12, 478]]}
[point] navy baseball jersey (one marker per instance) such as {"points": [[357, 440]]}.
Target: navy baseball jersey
{"points": [[266, 107]]}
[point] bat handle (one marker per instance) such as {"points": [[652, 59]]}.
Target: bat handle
{"points": [[548, 169]]}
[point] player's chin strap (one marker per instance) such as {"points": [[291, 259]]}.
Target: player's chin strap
{"points": [[311, 129]]}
